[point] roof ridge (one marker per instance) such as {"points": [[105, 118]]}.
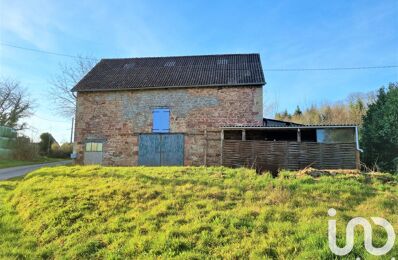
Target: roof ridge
{"points": [[184, 56]]}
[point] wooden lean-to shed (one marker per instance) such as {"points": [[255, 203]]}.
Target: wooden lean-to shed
{"points": [[282, 145]]}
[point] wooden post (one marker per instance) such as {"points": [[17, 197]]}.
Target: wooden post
{"points": [[298, 135], [243, 135], [357, 160], [222, 146]]}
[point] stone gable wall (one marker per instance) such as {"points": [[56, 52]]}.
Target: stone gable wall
{"points": [[118, 117]]}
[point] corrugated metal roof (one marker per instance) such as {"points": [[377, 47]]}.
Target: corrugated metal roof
{"points": [[290, 126], [178, 71]]}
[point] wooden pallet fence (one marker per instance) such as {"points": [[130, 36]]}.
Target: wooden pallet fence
{"points": [[274, 155]]}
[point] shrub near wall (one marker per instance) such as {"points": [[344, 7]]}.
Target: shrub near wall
{"points": [[62, 151], [7, 140]]}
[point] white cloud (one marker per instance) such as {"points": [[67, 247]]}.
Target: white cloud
{"points": [[31, 21]]}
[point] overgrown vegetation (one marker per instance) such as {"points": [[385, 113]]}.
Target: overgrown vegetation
{"points": [[380, 131], [24, 150], [186, 212]]}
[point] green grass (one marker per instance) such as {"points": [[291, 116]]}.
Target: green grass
{"points": [[6, 163], [185, 212]]}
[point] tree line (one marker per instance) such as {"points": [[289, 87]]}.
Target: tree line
{"points": [[349, 111]]}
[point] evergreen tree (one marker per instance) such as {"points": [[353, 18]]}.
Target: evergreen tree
{"points": [[298, 111], [380, 131], [46, 140]]}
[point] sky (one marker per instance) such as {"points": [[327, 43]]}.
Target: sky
{"points": [[287, 34]]}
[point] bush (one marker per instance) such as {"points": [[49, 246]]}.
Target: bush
{"points": [[62, 151], [23, 149], [67, 148]]}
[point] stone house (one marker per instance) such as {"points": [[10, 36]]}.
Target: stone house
{"points": [[165, 110]]}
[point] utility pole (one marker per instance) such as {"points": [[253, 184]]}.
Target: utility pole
{"points": [[71, 131]]}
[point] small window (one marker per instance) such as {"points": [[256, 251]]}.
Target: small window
{"points": [[88, 147], [161, 120], [93, 147]]}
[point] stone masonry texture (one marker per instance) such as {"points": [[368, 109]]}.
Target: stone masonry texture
{"points": [[118, 117]]}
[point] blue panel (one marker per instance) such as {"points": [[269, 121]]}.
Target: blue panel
{"points": [[320, 135], [161, 149], [161, 120], [172, 149], [149, 150]]}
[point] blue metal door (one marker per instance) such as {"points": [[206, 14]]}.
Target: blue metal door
{"points": [[172, 149], [161, 149], [149, 150]]}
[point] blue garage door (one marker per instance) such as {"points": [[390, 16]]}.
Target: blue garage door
{"points": [[161, 149]]}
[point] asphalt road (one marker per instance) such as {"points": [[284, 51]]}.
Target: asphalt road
{"points": [[12, 172]]}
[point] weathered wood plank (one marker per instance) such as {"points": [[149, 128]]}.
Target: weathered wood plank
{"points": [[270, 155]]}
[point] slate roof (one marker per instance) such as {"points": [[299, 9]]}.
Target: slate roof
{"points": [[178, 71]]}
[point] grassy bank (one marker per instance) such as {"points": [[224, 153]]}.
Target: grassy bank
{"points": [[7, 163], [81, 212]]}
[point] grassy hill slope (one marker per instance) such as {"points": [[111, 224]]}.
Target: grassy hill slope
{"points": [[80, 212]]}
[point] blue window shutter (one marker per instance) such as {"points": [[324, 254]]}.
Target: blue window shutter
{"points": [[161, 120]]}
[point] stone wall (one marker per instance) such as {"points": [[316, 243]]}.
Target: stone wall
{"points": [[118, 117]]}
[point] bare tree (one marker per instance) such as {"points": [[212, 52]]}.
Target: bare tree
{"points": [[69, 75], [14, 104]]}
